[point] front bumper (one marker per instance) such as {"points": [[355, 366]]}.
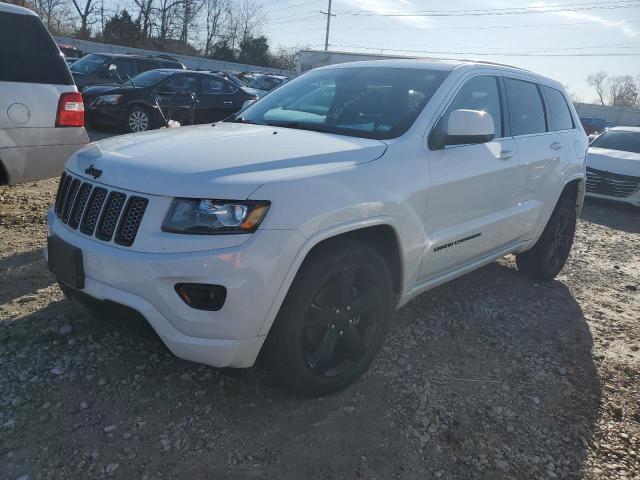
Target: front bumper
{"points": [[115, 115], [252, 272], [633, 199]]}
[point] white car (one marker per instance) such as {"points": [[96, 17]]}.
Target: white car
{"points": [[298, 227], [613, 165], [41, 111]]}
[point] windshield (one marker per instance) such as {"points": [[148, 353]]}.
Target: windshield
{"points": [[149, 78], [619, 140], [370, 102], [88, 64]]}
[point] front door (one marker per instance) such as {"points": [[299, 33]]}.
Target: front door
{"points": [[470, 199]]}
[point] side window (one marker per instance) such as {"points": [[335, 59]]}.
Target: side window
{"points": [[28, 53], [212, 85], [480, 93], [125, 66], [526, 112], [559, 114], [180, 83], [146, 65]]}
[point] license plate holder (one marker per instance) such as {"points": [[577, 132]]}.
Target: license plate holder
{"points": [[65, 262]]}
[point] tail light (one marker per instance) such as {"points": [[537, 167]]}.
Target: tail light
{"points": [[70, 110]]}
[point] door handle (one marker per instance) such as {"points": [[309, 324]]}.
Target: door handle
{"points": [[557, 145], [506, 154], [228, 102]]}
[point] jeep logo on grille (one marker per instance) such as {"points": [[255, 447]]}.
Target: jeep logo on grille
{"points": [[94, 172]]}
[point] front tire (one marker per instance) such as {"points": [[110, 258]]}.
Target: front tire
{"points": [[547, 257], [334, 319], [138, 120]]}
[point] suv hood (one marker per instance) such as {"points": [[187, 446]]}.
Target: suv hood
{"points": [[226, 160], [615, 161]]}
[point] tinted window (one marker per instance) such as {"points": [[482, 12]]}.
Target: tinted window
{"points": [[125, 67], [180, 83], [370, 102], [213, 85], [144, 65], [526, 112], [89, 63], [28, 53], [618, 140], [479, 93], [559, 114], [150, 78]]}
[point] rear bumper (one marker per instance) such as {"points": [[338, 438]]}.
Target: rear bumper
{"points": [[29, 154]]}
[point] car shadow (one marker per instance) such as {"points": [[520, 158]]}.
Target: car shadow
{"points": [[619, 216], [489, 376], [22, 274]]}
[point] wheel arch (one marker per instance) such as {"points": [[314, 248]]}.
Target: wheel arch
{"points": [[379, 232], [574, 189], [4, 176]]}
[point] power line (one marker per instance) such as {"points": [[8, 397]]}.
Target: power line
{"points": [[502, 54], [498, 12]]}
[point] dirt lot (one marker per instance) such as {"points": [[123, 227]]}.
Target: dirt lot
{"points": [[491, 376]]}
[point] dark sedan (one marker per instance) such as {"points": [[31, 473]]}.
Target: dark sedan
{"points": [[182, 95]]}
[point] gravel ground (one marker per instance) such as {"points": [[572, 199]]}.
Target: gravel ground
{"points": [[491, 376]]}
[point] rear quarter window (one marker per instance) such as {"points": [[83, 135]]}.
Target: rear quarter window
{"points": [[28, 53], [559, 114]]}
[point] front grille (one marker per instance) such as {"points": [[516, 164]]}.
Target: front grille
{"points": [[612, 184], [95, 210]]}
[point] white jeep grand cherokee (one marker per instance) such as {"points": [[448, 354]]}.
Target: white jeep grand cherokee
{"points": [[299, 225]]}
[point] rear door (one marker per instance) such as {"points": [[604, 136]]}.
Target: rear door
{"points": [[217, 99], [540, 151], [470, 199]]}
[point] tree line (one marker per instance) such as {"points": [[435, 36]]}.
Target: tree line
{"points": [[615, 90], [229, 30]]}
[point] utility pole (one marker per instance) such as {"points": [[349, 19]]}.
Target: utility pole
{"points": [[329, 15]]}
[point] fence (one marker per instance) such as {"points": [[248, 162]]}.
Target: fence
{"points": [[194, 63], [619, 115]]}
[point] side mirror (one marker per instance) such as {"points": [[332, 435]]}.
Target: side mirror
{"points": [[465, 127], [113, 67]]}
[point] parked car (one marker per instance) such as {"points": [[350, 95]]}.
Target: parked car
{"points": [[263, 84], [69, 51], [298, 227], [41, 112], [230, 77], [95, 68], [133, 105], [594, 126], [613, 165], [247, 77]]}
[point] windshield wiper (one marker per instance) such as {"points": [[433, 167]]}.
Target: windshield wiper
{"points": [[243, 120]]}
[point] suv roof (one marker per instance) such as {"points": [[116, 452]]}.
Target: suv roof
{"points": [[138, 55], [6, 7]]}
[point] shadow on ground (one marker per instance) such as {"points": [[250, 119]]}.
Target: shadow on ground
{"points": [[22, 274], [619, 216], [490, 376]]}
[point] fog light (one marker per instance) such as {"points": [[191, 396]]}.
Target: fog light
{"points": [[201, 295]]}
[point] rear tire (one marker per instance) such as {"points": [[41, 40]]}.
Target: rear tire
{"points": [[547, 257], [334, 319]]}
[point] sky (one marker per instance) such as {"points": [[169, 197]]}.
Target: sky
{"points": [[563, 39]]}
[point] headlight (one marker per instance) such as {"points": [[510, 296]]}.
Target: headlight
{"points": [[203, 216], [108, 99]]}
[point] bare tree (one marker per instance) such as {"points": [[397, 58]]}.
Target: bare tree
{"points": [[623, 91], [86, 14], [598, 81], [218, 12], [51, 12], [250, 18], [165, 13], [145, 16], [189, 10]]}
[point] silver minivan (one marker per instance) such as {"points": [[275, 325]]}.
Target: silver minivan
{"points": [[41, 111]]}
